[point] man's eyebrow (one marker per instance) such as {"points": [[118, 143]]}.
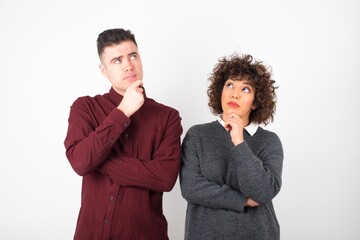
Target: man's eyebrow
{"points": [[116, 58], [132, 53], [120, 57]]}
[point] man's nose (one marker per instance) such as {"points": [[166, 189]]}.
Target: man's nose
{"points": [[128, 66]]}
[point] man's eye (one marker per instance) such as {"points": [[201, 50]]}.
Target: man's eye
{"points": [[117, 61], [133, 56]]}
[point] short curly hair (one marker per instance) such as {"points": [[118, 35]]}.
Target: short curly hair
{"points": [[240, 67]]}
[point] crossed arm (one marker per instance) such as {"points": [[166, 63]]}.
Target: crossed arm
{"points": [[256, 181], [90, 150]]}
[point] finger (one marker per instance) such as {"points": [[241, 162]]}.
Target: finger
{"points": [[140, 89], [228, 127], [136, 84], [233, 115]]}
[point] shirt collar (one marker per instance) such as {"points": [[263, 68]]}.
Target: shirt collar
{"points": [[116, 97], [251, 128]]}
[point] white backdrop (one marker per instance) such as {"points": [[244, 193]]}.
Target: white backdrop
{"points": [[48, 58]]}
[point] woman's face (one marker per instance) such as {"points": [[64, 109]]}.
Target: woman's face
{"points": [[238, 97]]}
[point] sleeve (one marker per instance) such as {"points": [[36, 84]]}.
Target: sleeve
{"points": [[195, 188], [158, 174], [259, 178], [87, 146]]}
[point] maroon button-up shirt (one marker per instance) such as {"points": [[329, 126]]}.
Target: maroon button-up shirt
{"points": [[126, 166]]}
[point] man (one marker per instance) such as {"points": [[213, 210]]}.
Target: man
{"points": [[126, 147]]}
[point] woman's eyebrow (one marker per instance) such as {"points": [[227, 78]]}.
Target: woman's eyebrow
{"points": [[247, 83]]}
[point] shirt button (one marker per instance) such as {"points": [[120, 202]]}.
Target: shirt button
{"points": [[125, 124], [111, 198], [111, 140], [106, 221], [126, 135]]}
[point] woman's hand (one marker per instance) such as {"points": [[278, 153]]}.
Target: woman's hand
{"points": [[251, 203], [235, 126]]}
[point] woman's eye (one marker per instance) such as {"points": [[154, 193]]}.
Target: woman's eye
{"points": [[229, 85], [247, 90]]}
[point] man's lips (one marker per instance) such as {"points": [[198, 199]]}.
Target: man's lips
{"points": [[131, 77], [233, 104]]}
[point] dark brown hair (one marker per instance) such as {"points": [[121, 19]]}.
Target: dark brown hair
{"points": [[242, 67], [113, 36]]}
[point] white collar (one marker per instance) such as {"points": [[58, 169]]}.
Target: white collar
{"points": [[251, 128]]}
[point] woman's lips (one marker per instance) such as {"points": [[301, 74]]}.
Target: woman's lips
{"points": [[233, 104]]}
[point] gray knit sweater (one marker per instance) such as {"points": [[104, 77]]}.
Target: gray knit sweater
{"points": [[217, 177]]}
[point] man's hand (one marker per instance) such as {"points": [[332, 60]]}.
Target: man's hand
{"points": [[235, 126], [133, 98]]}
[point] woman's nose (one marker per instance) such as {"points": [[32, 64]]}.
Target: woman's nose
{"points": [[235, 94]]}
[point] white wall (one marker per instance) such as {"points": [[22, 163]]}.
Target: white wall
{"points": [[48, 58]]}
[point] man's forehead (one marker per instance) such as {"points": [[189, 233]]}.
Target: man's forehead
{"points": [[120, 50], [123, 48]]}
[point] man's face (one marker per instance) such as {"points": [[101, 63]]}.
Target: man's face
{"points": [[121, 64]]}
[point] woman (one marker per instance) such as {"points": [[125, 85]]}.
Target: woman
{"points": [[231, 167]]}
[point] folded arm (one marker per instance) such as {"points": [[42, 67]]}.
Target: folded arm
{"points": [[157, 174], [195, 188], [88, 146], [258, 178]]}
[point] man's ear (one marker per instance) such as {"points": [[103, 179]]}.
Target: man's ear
{"points": [[103, 70]]}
